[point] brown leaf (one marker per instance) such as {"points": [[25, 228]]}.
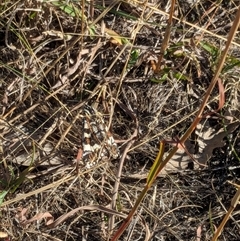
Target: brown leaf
{"points": [[47, 216], [89, 208]]}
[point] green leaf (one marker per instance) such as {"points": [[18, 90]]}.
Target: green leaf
{"points": [[22, 176], [156, 165], [180, 76], [231, 63], [133, 58], [211, 49], [2, 196], [68, 9]]}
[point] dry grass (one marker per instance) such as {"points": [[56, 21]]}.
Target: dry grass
{"points": [[57, 56]]}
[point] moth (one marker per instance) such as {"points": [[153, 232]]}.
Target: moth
{"points": [[98, 143]]}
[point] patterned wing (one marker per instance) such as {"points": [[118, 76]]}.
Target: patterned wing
{"points": [[98, 143]]}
